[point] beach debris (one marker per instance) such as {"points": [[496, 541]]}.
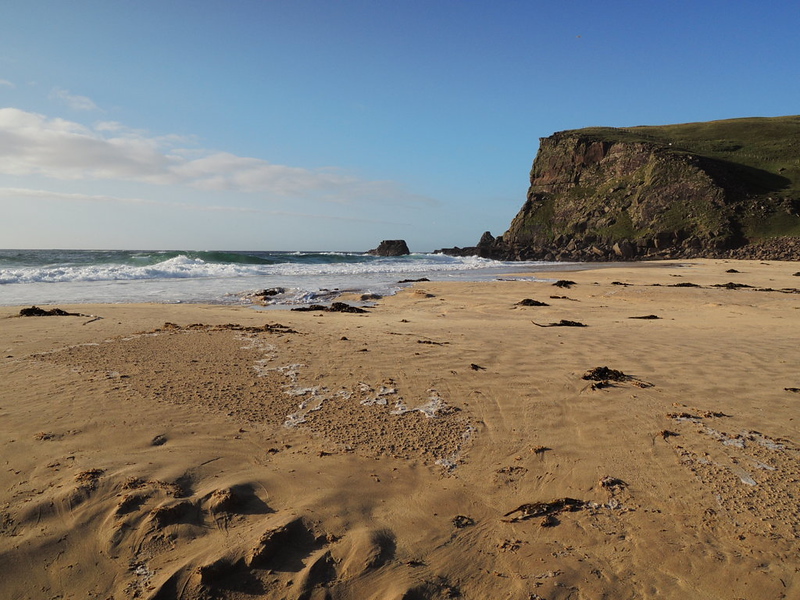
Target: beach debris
{"points": [[548, 521], [731, 285], [796, 274], [461, 521], [687, 416], [666, 433], [620, 283], [278, 328], [432, 343], [732, 271], [605, 374], [612, 483], [540, 449], [335, 307], [599, 385], [475, 367], [646, 317], [564, 298], [531, 302], [343, 307], [544, 509], [792, 389], [310, 308], [420, 280], [684, 284], [35, 311], [564, 283], [561, 323], [268, 327], [159, 440]]}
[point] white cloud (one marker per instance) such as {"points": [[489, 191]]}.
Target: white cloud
{"points": [[6, 83], [74, 101], [30, 194], [33, 144]]}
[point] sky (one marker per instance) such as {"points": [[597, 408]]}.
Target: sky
{"points": [[335, 124]]}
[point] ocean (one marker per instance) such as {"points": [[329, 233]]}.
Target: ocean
{"points": [[43, 277]]}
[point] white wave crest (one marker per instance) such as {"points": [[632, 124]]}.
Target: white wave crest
{"points": [[184, 267]]}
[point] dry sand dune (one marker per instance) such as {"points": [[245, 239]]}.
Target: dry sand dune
{"points": [[440, 446]]}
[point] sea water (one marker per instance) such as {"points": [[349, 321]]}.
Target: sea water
{"points": [[226, 277]]}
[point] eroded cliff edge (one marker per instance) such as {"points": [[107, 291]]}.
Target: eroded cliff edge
{"points": [[699, 189]]}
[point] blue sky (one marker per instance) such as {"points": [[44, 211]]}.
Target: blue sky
{"points": [[330, 125]]}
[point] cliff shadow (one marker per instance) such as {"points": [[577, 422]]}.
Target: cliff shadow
{"points": [[744, 179]]}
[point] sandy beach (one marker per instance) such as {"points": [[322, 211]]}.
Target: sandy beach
{"points": [[636, 436]]}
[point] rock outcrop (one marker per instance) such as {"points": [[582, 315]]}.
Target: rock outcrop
{"points": [[647, 192], [390, 248]]}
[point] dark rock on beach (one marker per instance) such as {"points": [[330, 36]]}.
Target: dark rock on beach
{"points": [[605, 374], [35, 311], [335, 307], [531, 302]]}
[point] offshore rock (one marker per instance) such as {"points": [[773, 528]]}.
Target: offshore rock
{"points": [[390, 248]]}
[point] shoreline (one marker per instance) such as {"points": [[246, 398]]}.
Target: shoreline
{"points": [[147, 452], [219, 278]]}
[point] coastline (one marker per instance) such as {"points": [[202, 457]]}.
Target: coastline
{"points": [[144, 458], [85, 276]]}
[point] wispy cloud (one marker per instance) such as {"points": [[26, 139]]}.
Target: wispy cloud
{"points": [[76, 198], [74, 101], [30, 194], [33, 144], [7, 83]]}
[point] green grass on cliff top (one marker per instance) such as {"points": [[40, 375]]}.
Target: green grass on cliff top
{"points": [[769, 144]]}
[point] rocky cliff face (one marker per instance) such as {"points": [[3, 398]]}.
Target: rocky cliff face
{"points": [[595, 200], [606, 195]]}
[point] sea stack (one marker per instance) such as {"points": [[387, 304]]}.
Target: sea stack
{"points": [[390, 248]]}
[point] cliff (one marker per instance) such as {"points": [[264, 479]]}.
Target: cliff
{"points": [[697, 189]]}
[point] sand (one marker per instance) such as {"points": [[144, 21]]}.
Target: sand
{"points": [[441, 445]]}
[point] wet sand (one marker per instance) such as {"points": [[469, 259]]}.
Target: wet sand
{"points": [[448, 443]]}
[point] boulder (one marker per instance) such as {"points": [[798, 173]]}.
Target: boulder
{"points": [[624, 249], [390, 248]]}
